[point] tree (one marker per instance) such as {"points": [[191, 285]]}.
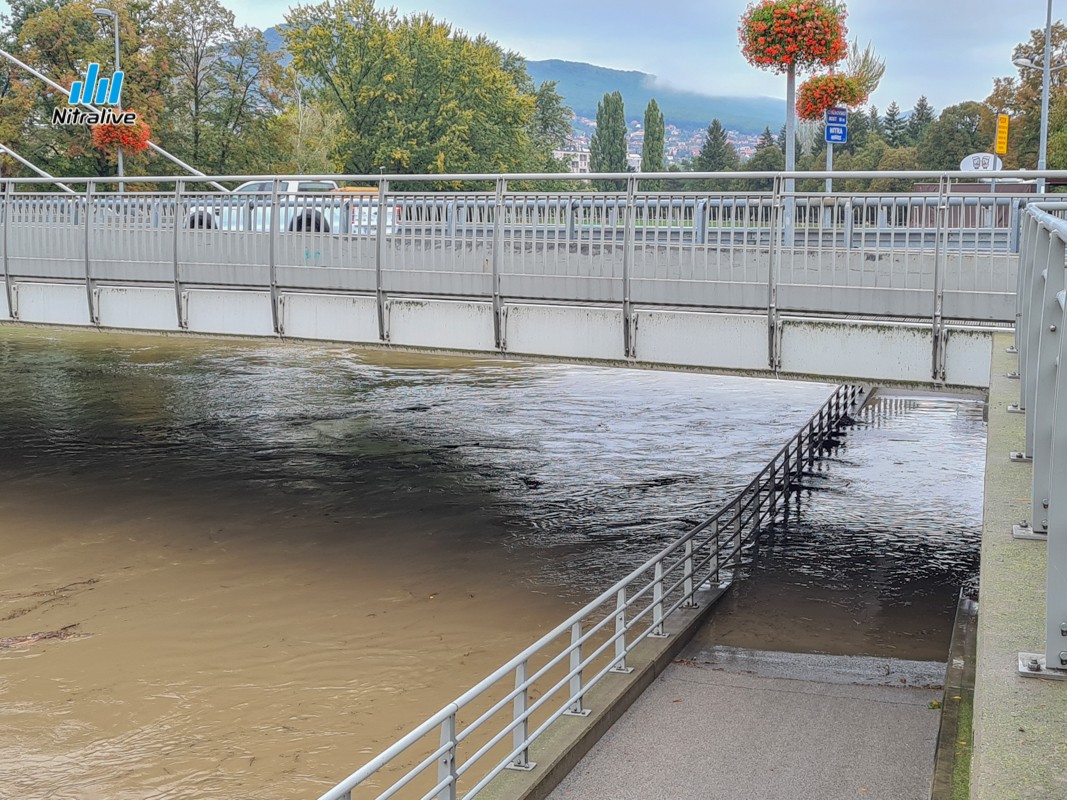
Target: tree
{"points": [[922, 115], [894, 126], [896, 159], [961, 129], [716, 154], [607, 148], [551, 128], [652, 146], [875, 121], [769, 158], [414, 95], [766, 139]]}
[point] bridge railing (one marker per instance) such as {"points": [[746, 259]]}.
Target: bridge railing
{"points": [[459, 750], [726, 244], [1041, 341]]}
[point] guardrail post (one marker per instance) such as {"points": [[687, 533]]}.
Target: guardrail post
{"points": [[620, 633], [521, 732], [630, 221], [657, 603], [1028, 240], [446, 766], [1029, 358], [715, 560], [1044, 407], [776, 245], [850, 221], [179, 306], [690, 599], [576, 708], [498, 245], [94, 318], [379, 256], [272, 258], [937, 369], [8, 208], [1056, 586]]}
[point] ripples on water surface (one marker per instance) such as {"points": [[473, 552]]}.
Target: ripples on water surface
{"points": [[281, 557]]}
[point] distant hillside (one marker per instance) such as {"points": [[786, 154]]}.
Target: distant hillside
{"points": [[584, 85]]}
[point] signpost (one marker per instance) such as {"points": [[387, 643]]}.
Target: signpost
{"points": [[1002, 134], [836, 132]]}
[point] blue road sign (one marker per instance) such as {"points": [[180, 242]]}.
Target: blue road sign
{"points": [[837, 125]]}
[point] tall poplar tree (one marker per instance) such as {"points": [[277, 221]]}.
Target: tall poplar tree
{"points": [[607, 148], [652, 148]]}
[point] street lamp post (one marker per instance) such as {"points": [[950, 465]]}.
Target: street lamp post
{"points": [[107, 12], [1046, 81]]}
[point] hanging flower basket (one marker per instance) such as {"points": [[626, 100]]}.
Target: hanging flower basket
{"points": [[131, 138], [780, 34], [821, 92]]}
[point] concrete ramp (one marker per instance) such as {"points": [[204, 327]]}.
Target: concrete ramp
{"points": [[723, 723]]}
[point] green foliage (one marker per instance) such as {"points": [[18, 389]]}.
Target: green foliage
{"points": [[955, 134], [894, 126], [652, 146], [766, 139], [607, 148], [768, 158], [414, 95], [896, 159], [716, 154], [922, 116]]}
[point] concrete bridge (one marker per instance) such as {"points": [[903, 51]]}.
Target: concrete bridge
{"points": [[885, 288], [891, 288]]}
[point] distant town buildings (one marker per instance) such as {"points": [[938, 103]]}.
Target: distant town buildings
{"points": [[680, 144]]}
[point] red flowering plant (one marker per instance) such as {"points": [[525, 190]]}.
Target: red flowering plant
{"points": [[821, 92], [781, 35], [131, 138]]}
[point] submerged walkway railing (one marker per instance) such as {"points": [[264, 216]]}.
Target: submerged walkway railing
{"points": [[1042, 347], [490, 728]]}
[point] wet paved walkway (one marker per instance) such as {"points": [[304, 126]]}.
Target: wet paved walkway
{"points": [[726, 723]]}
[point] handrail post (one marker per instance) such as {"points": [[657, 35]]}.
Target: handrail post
{"points": [[183, 322], [94, 318], [521, 732], [1032, 321], [620, 633], [1044, 408], [630, 218], [272, 245], [715, 559], [8, 209], [690, 598], [446, 765], [773, 268], [937, 370], [498, 245], [1056, 554], [576, 708], [379, 257], [657, 602]]}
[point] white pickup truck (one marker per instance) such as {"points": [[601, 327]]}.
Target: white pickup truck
{"points": [[302, 205]]}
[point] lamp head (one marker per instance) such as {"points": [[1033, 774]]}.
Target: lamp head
{"points": [[1022, 62], [104, 12]]}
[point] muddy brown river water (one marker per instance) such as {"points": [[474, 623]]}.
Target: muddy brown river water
{"points": [[235, 570]]}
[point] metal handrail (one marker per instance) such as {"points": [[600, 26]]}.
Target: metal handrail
{"points": [[616, 605], [1042, 347]]}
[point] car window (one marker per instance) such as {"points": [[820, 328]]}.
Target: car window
{"points": [[315, 186], [254, 187]]}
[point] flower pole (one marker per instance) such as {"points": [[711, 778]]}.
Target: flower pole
{"points": [[784, 36]]}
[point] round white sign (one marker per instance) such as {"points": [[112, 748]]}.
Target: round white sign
{"points": [[981, 162]]}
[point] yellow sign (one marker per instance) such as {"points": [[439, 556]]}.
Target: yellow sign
{"points": [[1002, 134]]}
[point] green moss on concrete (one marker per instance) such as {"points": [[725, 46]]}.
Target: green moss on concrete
{"points": [[961, 764]]}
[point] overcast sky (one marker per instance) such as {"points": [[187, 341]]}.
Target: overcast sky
{"points": [[949, 50]]}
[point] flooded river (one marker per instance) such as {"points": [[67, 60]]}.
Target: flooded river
{"points": [[230, 569]]}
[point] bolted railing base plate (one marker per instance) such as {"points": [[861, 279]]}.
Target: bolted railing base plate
{"points": [[529, 765], [1019, 458], [1016, 410], [621, 670], [1012, 376], [1011, 349], [1032, 665], [585, 712], [1027, 532]]}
